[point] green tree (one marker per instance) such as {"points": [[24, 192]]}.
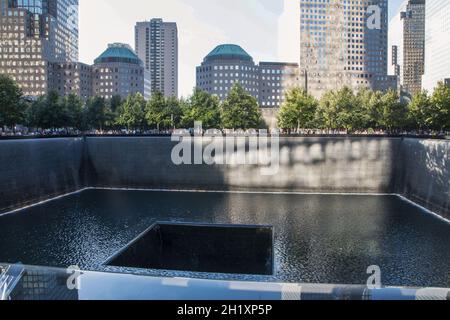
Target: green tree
{"points": [[97, 114], [33, 113], [240, 110], [439, 116], [157, 112], [394, 115], [12, 108], [174, 111], [298, 111], [419, 111], [73, 108], [52, 114], [201, 107], [339, 110], [370, 106], [131, 113], [115, 102]]}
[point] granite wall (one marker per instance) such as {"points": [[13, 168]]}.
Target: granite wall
{"points": [[425, 174], [33, 170], [305, 164]]}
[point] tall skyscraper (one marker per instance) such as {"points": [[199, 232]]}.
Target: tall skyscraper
{"points": [[396, 44], [344, 43], [407, 44], [156, 44], [34, 35], [437, 43], [414, 45]]}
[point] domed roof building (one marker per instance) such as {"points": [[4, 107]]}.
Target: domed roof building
{"points": [[119, 71], [268, 82], [119, 53], [228, 51], [225, 65]]}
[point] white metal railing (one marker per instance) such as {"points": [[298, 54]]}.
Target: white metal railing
{"points": [[9, 278], [73, 284]]}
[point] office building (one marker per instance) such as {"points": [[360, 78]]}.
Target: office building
{"points": [[407, 43], [72, 78], [156, 44], [267, 82], [275, 79], [414, 45], [118, 71], [224, 66], [344, 43], [34, 35]]}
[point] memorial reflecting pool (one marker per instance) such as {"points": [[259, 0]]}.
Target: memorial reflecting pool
{"points": [[317, 238]]}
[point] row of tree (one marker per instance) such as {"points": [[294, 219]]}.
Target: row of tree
{"points": [[51, 111], [239, 110], [365, 110], [343, 109]]}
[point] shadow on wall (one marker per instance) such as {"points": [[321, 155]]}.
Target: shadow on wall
{"points": [[325, 165], [34, 170], [305, 164]]}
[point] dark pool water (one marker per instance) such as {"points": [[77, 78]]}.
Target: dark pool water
{"points": [[318, 238]]}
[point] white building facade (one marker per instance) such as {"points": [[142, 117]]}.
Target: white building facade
{"points": [[437, 43]]}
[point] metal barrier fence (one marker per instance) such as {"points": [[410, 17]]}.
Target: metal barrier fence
{"points": [[19, 282]]}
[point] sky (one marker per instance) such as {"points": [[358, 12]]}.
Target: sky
{"points": [[266, 29]]}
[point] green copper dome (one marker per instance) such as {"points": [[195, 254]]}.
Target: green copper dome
{"points": [[119, 53], [228, 51]]}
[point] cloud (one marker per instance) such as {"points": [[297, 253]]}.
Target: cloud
{"points": [[202, 25]]}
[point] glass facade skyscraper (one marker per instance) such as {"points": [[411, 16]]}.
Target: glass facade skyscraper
{"points": [[35, 34], [344, 43], [407, 45], [414, 45]]}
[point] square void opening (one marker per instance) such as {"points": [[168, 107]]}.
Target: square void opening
{"points": [[201, 248]]}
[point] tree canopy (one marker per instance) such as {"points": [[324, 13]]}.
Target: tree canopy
{"points": [[201, 107], [12, 107], [344, 109], [240, 110], [131, 113], [97, 113], [439, 115], [298, 111]]}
